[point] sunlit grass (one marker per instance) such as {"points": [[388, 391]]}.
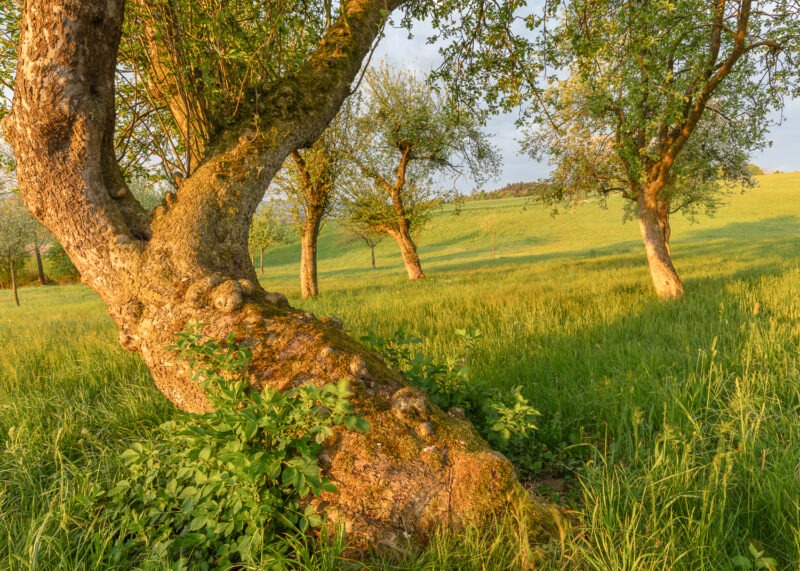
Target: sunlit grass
{"points": [[683, 419]]}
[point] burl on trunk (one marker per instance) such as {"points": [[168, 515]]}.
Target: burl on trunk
{"points": [[187, 261]]}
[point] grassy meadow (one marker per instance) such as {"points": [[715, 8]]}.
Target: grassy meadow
{"points": [[671, 430]]}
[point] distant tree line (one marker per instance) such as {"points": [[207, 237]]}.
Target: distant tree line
{"points": [[511, 190]]}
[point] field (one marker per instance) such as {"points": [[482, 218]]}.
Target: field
{"points": [[672, 429]]}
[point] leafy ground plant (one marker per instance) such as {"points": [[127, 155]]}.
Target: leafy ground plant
{"points": [[217, 487], [504, 418]]}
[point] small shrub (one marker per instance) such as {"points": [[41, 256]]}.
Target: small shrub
{"points": [[216, 487]]}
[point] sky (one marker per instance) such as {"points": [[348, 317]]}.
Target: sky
{"points": [[397, 48]]}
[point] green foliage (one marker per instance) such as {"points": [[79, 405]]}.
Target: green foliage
{"points": [[215, 488], [268, 227], [150, 193], [189, 69], [409, 136], [487, 48], [9, 38], [504, 419], [755, 560], [311, 179], [655, 98], [17, 228], [58, 265]]}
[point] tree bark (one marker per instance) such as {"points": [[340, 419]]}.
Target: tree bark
{"points": [[187, 262], [409, 252], [261, 259], [13, 271], [372, 252], [43, 279], [663, 222], [308, 252], [665, 279]]}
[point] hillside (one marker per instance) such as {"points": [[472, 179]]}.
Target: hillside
{"points": [[669, 431], [528, 233]]}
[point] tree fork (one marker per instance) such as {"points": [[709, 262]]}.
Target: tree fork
{"points": [[418, 467]]}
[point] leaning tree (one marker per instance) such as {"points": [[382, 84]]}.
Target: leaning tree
{"points": [[409, 134], [661, 102], [247, 84]]}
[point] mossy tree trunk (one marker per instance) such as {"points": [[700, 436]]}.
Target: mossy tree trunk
{"points": [[188, 262]]}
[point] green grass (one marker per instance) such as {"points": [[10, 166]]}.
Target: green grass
{"points": [[681, 419]]}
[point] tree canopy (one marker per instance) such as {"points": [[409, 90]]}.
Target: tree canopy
{"points": [[407, 136], [662, 102]]}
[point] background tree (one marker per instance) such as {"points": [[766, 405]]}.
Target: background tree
{"points": [[489, 224], [267, 229], [408, 135], [39, 239], [149, 191], [662, 103], [309, 180], [246, 83], [357, 231], [371, 210], [16, 232]]}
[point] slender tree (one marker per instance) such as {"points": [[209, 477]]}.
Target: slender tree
{"points": [[16, 232], [409, 135], [358, 232], [247, 84], [267, 229], [401, 212], [40, 238], [662, 102]]}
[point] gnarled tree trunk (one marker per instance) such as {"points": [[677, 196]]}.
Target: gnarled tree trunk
{"points": [[308, 252], [665, 279], [408, 250], [187, 262]]}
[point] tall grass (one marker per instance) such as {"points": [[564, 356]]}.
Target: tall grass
{"points": [[678, 425]]}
